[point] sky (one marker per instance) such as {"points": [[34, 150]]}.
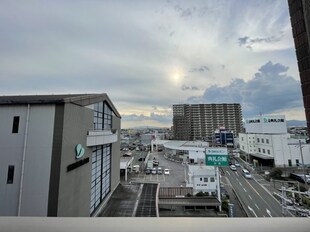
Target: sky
{"points": [[149, 55]]}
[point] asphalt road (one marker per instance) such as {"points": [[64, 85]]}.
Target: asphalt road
{"points": [[255, 199]]}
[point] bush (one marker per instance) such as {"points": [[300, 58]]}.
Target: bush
{"points": [[225, 205], [188, 195], [306, 201], [276, 173], [200, 194]]}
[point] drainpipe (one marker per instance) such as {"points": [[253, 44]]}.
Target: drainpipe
{"points": [[23, 163]]}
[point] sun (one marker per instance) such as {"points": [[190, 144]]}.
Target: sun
{"points": [[176, 76]]}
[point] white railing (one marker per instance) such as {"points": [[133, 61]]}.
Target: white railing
{"points": [[100, 137]]}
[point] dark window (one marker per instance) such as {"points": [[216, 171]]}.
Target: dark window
{"points": [[10, 174], [290, 163], [297, 162], [15, 124]]}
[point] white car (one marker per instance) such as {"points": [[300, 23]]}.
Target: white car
{"points": [[233, 167], [246, 174], [166, 172], [237, 164]]}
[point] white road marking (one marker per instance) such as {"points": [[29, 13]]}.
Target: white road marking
{"points": [[240, 184], [269, 213], [228, 172], [256, 206], [250, 197], [237, 174], [244, 190]]}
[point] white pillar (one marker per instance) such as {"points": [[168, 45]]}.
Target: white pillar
{"points": [[219, 187]]}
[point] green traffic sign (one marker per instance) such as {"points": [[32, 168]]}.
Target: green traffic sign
{"points": [[216, 160]]}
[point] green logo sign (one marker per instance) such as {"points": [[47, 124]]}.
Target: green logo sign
{"points": [[79, 151]]}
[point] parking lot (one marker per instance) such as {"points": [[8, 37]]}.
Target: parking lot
{"points": [[174, 179]]}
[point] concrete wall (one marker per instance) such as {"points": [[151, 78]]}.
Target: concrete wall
{"points": [[74, 186], [37, 159], [115, 165]]}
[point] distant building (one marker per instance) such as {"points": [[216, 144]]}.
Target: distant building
{"points": [[300, 20], [60, 154], [224, 137], [199, 121], [266, 142]]}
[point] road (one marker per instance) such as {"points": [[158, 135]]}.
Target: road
{"points": [[255, 199]]}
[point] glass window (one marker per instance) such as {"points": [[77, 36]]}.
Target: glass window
{"points": [[100, 179], [212, 179], [290, 163], [262, 140], [258, 149], [264, 151], [267, 141], [268, 151], [205, 179]]}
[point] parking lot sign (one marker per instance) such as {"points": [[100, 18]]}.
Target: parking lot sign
{"points": [[216, 157]]}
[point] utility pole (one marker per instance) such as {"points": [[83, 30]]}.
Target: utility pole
{"points": [[303, 167]]}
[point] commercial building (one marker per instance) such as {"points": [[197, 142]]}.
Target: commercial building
{"points": [[266, 142], [199, 121], [60, 154], [300, 20], [224, 137]]}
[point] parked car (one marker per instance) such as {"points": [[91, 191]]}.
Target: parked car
{"points": [[233, 167], [167, 171], [237, 164], [148, 171], [159, 171], [155, 162], [154, 171]]}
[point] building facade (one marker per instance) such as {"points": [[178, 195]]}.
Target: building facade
{"points": [[266, 142], [300, 20], [60, 154], [199, 121], [224, 137]]}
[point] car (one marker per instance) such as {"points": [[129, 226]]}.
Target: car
{"points": [[154, 171], [159, 171], [246, 174], [167, 171], [148, 171], [229, 162], [233, 167], [155, 162], [237, 164]]}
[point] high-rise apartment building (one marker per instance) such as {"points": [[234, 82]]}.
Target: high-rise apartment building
{"points": [[300, 20], [199, 121]]}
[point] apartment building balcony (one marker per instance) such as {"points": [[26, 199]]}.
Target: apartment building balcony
{"points": [[100, 137]]}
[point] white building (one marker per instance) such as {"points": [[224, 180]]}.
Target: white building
{"points": [[266, 142], [202, 179]]}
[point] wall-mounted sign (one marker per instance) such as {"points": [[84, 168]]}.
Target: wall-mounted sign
{"points": [[79, 151]]}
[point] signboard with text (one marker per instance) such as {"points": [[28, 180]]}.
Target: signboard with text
{"points": [[216, 157]]}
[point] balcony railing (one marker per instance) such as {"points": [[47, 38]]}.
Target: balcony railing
{"points": [[100, 137]]}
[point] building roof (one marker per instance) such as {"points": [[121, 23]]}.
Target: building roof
{"points": [[201, 170], [79, 99]]}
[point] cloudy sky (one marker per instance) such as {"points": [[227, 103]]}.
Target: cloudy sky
{"points": [[149, 55]]}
